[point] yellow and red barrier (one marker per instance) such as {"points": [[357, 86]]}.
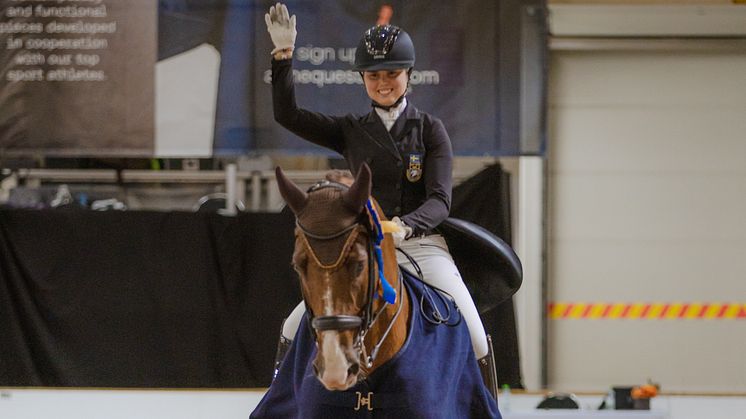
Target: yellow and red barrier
{"points": [[664, 311]]}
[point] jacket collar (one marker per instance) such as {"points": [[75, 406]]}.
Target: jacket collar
{"points": [[393, 110], [404, 124]]}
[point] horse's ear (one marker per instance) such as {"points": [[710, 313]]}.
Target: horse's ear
{"points": [[359, 192], [291, 193]]}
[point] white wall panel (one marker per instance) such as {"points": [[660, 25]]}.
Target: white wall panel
{"points": [[629, 139], [651, 206], [647, 20], [647, 204], [647, 78]]}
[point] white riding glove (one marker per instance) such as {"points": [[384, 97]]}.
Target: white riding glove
{"points": [[404, 232], [281, 27]]}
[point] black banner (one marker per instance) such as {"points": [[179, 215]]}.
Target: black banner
{"points": [[77, 77], [467, 71]]}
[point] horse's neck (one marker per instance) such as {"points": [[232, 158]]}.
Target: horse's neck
{"points": [[398, 334]]}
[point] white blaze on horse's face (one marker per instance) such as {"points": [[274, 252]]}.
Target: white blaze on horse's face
{"points": [[336, 372], [335, 368], [330, 292]]}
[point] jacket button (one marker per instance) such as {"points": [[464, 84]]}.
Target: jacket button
{"points": [[397, 210]]}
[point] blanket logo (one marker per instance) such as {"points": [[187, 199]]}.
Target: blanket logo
{"points": [[414, 171]]}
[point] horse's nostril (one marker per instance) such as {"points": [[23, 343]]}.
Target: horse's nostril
{"points": [[354, 369]]}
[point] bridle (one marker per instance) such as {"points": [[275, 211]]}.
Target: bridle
{"points": [[367, 318]]}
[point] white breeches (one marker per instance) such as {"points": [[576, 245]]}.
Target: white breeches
{"points": [[438, 269]]}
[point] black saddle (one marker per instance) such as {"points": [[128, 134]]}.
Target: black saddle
{"points": [[489, 266]]}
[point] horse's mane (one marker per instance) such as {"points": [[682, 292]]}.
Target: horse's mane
{"points": [[340, 176]]}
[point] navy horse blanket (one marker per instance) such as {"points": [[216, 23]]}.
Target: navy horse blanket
{"points": [[434, 375]]}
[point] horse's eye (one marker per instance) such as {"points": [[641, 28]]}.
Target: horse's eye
{"points": [[299, 261], [299, 266], [358, 268]]}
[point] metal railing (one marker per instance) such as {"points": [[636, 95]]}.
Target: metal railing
{"points": [[256, 189]]}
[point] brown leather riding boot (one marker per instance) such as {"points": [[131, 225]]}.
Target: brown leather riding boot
{"points": [[282, 348], [487, 368]]}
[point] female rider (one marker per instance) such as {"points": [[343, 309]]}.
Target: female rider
{"points": [[408, 151]]}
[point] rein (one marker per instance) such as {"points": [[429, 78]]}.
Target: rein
{"points": [[367, 319]]}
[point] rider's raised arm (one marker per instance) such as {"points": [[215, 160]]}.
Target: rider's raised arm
{"points": [[315, 127], [318, 128]]}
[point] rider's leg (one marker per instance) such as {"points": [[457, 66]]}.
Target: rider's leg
{"points": [[287, 333], [438, 269], [293, 321]]}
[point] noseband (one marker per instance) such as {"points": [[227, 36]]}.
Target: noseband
{"points": [[367, 318]]}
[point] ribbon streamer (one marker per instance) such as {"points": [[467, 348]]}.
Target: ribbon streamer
{"points": [[389, 293]]}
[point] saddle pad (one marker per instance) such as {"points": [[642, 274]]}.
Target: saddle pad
{"points": [[434, 375]]}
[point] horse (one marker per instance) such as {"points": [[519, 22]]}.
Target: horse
{"points": [[366, 347]]}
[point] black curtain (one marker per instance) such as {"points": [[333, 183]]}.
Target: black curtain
{"points": [[484, 199], [142, 299], [154, 299]]}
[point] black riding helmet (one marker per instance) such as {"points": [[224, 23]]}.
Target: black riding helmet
{"points": [[384, 48]]}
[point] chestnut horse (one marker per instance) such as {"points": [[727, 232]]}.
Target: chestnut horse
{"points": [[355, 352]]}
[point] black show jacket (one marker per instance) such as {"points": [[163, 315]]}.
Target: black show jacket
{"points": [[416, 138]]}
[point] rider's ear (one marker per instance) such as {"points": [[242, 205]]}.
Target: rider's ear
{"points": [[291, 193], [359, 192]]}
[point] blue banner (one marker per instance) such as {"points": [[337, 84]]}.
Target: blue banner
{"points": [[458, 75]]}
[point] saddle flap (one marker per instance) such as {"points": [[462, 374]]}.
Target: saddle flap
{"points": [[489, 266]]}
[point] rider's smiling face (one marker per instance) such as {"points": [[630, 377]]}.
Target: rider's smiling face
{"points": [[385, 86]]}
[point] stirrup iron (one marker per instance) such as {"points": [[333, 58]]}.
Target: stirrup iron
{"points": [[487, 369]]}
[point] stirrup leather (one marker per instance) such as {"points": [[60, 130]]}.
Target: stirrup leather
{"points": [[282, 348], [487, 369]]}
